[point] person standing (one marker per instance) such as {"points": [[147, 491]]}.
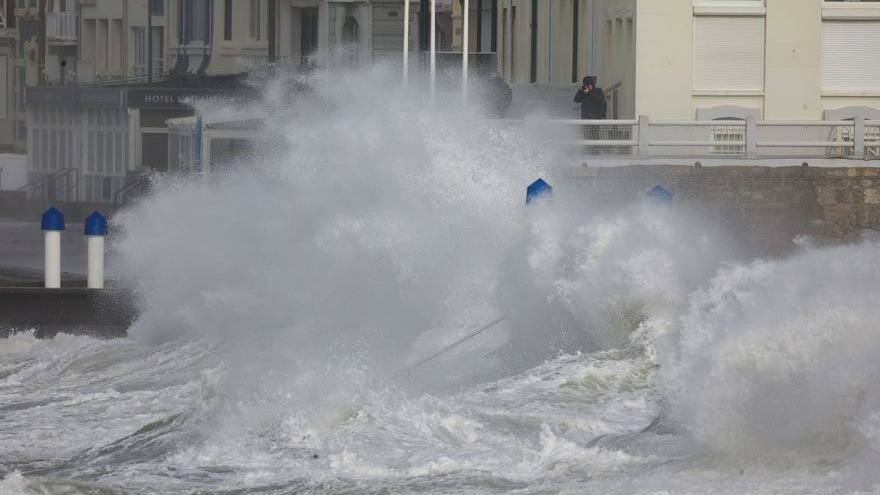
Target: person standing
{"points": [[592, 100]]}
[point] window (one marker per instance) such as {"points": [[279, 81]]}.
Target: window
{"points": [[729, 53], [227, 20], [194, 20], [351, 31], [4, 94], [106, 188], [309, 31], [256, 18], [157, 7], [139, 42], [850, 55]]}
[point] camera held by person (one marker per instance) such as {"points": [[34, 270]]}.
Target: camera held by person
{"points": [[592, 100]]}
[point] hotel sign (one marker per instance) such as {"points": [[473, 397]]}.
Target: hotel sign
{"points": [[169, 98]]}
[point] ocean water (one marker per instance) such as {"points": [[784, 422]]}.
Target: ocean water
{"points": [[289, 299]]}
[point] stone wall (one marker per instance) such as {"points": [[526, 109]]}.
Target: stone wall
{"points": [[766, 207]]}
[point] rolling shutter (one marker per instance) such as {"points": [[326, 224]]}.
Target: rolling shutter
{"points": [[851, 55], [729, 53]]}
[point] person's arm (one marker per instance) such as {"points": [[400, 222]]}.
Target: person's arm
{"points": [[579, 96], [597, 94]]}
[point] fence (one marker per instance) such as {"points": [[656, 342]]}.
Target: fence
{"points": [[854, 139]]}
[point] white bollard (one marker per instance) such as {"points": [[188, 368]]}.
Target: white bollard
{"points": [[52, 223], [95, 229], [96, 262]]}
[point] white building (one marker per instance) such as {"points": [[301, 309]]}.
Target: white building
{"points": [[702, 59], [353, 31]]}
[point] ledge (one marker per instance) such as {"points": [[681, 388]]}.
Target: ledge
{"points": [[708, 92], [851, 93], [731, 9], [861, 11]]}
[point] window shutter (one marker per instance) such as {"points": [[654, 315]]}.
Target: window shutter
{"points": [[851, 55], [729, 53]]}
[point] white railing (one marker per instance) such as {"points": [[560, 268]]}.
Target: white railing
{"points": [[872, 140], [749, 138], [61, 26]]}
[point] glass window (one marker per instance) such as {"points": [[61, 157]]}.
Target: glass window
{"points": [[100, 150], [256, 18], [120, 137], [53, 149], [108, 151], [227, 20], [92, 154], [106, 188]]}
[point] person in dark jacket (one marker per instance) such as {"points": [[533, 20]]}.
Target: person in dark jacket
{"points": [[592, 100]]}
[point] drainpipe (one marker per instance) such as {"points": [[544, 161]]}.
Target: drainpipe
{"points": [[479, 26], [42, 46], [273, 55], [494, 34], [149, 42], [533, 69], [575, 14], [594, 48]]}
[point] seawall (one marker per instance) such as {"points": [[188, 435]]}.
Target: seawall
{"points": [[105, 313], [766, 207]]}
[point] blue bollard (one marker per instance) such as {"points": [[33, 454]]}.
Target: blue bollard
{"points": [[659, 194], [538, 189]]}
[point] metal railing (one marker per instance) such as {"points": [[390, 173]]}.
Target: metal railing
{"points": [[751, 138], [61, 185], [133, 189], [872, 140], [61, 26]]}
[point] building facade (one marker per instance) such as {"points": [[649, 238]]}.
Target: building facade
{"points": [[346, 32], [100, 79], [213, 37], [701, 59]]}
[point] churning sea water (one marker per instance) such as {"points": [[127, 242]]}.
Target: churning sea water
{"points": [[641, 351]]}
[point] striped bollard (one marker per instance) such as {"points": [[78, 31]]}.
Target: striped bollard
{"points": [[95, 229], [52, 223]]}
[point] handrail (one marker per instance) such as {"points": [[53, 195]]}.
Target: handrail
{"points": [[613, 87], [64, 172], [120, 194]]}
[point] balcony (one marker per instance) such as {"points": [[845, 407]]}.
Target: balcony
{"points": [[61, 28]]}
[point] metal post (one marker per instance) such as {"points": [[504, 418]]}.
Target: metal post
{"points": [[464, 48], [433, 48], [644, 141], [859, 137], [751, 137], [52, 223], [405, 42], [533, 51], [95, 230]]}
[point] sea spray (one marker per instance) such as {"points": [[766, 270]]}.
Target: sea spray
{"points": [[776, 361], [382, 229]]}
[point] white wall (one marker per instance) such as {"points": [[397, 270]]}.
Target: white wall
{"points": [[14, 173]]}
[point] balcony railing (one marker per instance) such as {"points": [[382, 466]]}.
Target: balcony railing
{"points": [[728, 139], [61, 27]]}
